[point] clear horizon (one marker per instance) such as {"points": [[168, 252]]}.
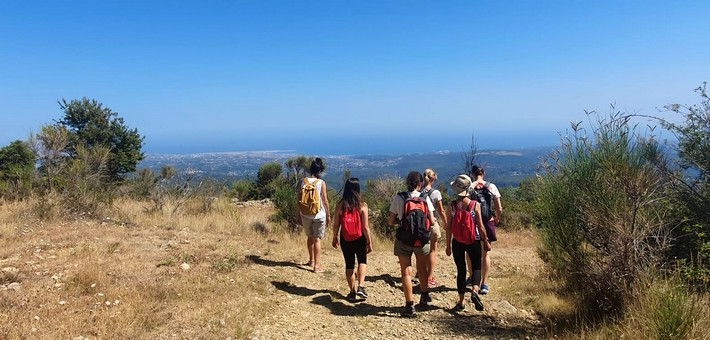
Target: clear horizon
{"points": [[196, 77]]}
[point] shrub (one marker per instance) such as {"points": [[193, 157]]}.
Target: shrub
{"points": [[601, 212], [267, 174], [285, 202], [378, 195], [518, 206], [17, 162], [85, 190], [665, 309], [240, 189], [691, 192]]}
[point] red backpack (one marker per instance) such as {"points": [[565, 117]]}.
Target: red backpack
{"points": [[414, 229], [351, 225], [462, 224]]}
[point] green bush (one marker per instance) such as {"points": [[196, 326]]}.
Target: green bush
{"points": [[600, 207], [268, 173], [691, 194], [665, 309], [17, 162], [85, 189], [518, 210], [285, 202], [240, 189], [378, 195]]}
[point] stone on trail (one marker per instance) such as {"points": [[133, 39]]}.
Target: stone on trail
{"points": [[185, 266], [16, 286], [10, 270]]}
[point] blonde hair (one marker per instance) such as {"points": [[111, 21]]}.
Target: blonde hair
{"points": [[429, 176]]}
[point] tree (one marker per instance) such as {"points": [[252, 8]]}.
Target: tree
{"points": [[91, 124], [266, 175], [297, 167], [17, 162], [692, 243], [49, 145]]}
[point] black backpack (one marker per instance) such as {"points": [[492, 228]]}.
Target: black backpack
{"points": [[414, 229], [484, 197]]}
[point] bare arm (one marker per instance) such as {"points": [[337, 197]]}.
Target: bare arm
{"points": [[336, 225], [324, 199], [448, 233], [364, 219], [442, 214], [392, 219], [498, 208]]}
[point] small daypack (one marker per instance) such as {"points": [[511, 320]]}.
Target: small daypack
{"points": [[309, 202], [482, 194], [414, 228], [462, 224], [351, 224]]}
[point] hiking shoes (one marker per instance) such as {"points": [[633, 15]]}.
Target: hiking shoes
{"points": [[459, 307], [477, 301], [408, 311], [351, 297], [361, 292], [483, 290], [424, 299]]}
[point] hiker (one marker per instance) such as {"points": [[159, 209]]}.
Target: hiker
{"points": [[487, 194], [415, 216], [436, 199], [351, 223], [466, 235], [314, 213]]}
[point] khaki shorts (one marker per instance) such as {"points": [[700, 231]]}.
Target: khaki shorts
{"points": [[313, 228], [401, 249]]}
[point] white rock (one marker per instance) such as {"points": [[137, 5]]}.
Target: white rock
{"points": [[93, 285], [62, 303], [10, 270], [36, 317], [108, 303], [185, 266], [16, 286]]}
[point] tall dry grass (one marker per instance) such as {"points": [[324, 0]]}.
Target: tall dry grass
{"points": [[119, 275]]}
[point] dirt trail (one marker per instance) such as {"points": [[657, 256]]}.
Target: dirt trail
{"points": [[310, 305]]}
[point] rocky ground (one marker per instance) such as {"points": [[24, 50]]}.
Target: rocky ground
{"points": [[311, 305], [229, 274]]}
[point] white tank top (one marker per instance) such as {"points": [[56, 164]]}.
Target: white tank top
{"points": [[321, 213]]}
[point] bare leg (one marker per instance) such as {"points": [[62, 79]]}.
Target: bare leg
{"points": [[431, 260], [351, 279], [311, 258], [422, 272], [361, 269], [468, 265], [405, 264], [316, 253], [485, 265]]}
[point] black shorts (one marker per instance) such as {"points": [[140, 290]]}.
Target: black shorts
{"points": [[352, 249]]}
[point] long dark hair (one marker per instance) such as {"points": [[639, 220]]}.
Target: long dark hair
{"points": [[351, 194]]}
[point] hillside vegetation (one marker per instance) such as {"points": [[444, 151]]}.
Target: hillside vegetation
{"points": [[609, 239]]}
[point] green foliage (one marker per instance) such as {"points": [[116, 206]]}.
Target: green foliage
{"points": [[378, 195], [285, 202], [49, 145], [266, 175], [17, 163], [241, 188], [518, 210], [84, 190], [600, 209], [298, 167], [692, 191], [91, 124], [666, 309]]}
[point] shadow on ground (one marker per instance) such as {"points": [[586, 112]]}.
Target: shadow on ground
{"points": [[336, 302], [256, 259]]}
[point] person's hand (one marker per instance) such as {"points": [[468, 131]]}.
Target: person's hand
{"points": [[487, 245], [327, 220], [448, 250], [335, 242], [368, 247], [496, 219]]}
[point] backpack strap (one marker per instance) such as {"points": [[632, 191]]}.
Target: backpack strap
{"points": [[471, 206], [404, 195]]}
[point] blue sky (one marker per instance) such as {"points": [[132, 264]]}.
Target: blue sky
{"points": [[347, 76]]}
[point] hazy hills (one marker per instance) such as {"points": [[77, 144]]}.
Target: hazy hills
{"points": [[505, 167]]}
